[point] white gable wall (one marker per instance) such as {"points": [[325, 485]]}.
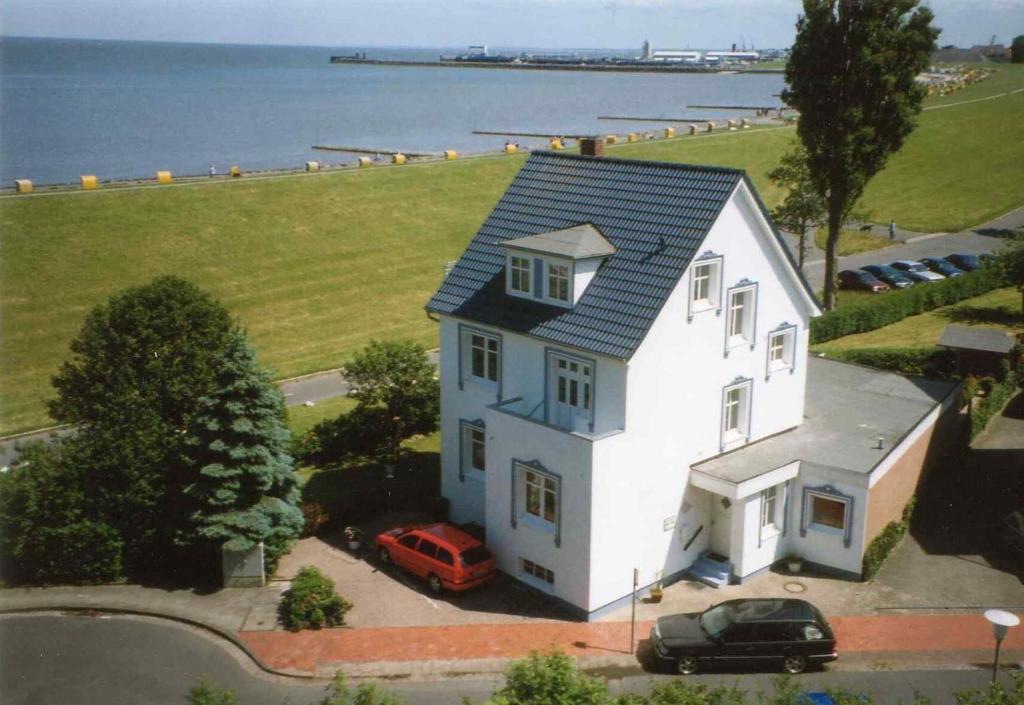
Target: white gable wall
{"points": [[674, 413]]}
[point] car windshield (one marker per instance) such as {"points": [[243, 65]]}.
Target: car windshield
{"points": [[717, 619], [887, 270], [917, 267], [473, 556]]}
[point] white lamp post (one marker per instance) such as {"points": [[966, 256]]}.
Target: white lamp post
{"points": [[1001, 622]]}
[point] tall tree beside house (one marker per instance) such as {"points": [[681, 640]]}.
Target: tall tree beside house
{"points": [[1017, 49], [137, 371], [852, 76], [397, 395], [803, 208], [243, 487]]}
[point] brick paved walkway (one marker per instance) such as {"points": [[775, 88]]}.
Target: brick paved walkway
{"points": [[312, 651]]}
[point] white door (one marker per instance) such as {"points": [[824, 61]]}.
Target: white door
{"points": [[572, 393], [721, 526]]}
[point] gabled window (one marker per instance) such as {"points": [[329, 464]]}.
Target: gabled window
{"points": [[705, 284], [736, 413], [558, 282], [781, 349], [519, 274], [741, 314]]}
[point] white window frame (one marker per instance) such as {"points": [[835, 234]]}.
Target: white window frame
{"points": [[552, 276], [467, 468], [514, 270], [782, 339], [586, 401], [736, 396], [830, 493], [748, 321], [708, 268], [490, 357], [772, 505], [818, 526]]}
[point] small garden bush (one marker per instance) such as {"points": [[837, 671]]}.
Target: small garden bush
{"points": [[312, 603], [883, 544], [894, 306]]}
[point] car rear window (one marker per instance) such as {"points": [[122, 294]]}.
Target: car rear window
{"points": [[475, 555], [445, 556]]}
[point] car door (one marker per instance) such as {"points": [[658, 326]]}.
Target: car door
{"points": [[404, 554], [426, 558], [738, 645]]}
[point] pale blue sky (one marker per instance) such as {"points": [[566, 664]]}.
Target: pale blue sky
{"points": [[541, 23]]}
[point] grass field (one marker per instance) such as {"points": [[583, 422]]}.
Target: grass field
{"points": [[852, 242], [314, 266], [997, 309]]}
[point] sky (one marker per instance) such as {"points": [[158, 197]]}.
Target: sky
{"points": [[457, 23]]}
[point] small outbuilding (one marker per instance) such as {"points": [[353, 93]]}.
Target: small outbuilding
{"points": [[978, 350]]}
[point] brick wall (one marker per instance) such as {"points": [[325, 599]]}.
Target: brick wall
{"points": [[890, 494]]}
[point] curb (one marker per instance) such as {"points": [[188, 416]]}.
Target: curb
{"points": [[228, 636]]}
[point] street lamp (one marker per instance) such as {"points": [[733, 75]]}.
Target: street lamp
{"points": [[1001, 622]]}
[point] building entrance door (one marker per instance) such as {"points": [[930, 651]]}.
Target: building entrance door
{"points": [[572, 393]]}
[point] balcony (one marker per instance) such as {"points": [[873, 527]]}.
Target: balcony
{"points": [[534, 412]]}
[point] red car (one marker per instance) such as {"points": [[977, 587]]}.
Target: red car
{"points": [[447, 558]]}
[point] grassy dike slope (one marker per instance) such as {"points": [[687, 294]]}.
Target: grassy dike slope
{"points": [[316, 265]]}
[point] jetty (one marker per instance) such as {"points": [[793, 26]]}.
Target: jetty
{"points": [[501, 133], [739, 107], [583, 65], [631, 118]]}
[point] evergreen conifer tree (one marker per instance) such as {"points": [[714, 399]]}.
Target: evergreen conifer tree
{"points": [[243, 487]]}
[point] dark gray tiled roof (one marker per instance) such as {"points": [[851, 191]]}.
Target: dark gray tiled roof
{"points": [[578, 242], [971, 338], [655, 215]]}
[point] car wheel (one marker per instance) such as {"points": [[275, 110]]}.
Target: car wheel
{"points": [[435, 584], [384, 556], [686, 665], [794, 664]]}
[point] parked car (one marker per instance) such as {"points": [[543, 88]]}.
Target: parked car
{"points": [[785, 633], [967, 263], [916, 270], [446, 557], [859, 279], [943, 267], [893, 277]]}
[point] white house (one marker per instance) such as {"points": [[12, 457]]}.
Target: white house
{"points": [[625, 384]]}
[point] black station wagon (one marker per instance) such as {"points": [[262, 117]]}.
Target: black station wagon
{"points": [[774, 633]]}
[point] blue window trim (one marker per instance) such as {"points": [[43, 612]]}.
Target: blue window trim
{"points": [[548, 354], [537, 467], [828, 492], [738, 382], [781, 328], [708, 257], [477, 424], [463, 330], [741, 285], [538, 278]]}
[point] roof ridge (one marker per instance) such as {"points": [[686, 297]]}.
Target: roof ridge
{"points": [[678, 166]]}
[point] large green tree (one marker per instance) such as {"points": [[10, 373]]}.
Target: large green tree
{"points": [[803, 208], [1017, 49], [851, 75], [397, 395], [243, 486], [137, 371]]}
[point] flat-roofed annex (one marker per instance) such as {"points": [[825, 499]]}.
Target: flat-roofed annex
{"points": [[582, 241]]}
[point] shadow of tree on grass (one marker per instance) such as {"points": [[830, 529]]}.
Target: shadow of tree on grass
{"points": [[1001, 315]]}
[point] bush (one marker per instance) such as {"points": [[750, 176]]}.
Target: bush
{"points": [[896, 305], [928, 362], [996, 396], [312, 603], [315, 517], [883, 544], [549, 679], [83, 552]]}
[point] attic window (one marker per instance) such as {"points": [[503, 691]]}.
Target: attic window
{"points": [[558, 282], [519, 274], [557, 266]]}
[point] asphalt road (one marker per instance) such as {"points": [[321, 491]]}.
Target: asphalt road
{"points": [[55, 660]]}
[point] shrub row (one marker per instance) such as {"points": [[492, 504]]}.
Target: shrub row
{"points": [[996, 396], [312, 603], [883, 544], [928, 362], [894, 306]]}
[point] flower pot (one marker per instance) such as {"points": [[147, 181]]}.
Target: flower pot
{"points": [[795, 565], [354, 545]]}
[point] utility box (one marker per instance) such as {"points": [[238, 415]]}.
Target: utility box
{"points": [[450, 154], [163, 177], [398, 158], [670, 132], [243, 568], [89, 182], [23, 186]]}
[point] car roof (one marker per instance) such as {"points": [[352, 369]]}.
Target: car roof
{"points": [[454, 537], [772, 610], [905, 261]]}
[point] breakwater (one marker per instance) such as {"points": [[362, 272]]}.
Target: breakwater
{"points": [[559, 66]]}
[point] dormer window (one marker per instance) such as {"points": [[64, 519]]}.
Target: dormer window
{"points": [[558, 282], [555, 267]]}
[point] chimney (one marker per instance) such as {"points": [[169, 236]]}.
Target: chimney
{"points": [[592, 146]]}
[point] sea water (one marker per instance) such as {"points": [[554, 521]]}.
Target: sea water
{"points": [[126, 109]]}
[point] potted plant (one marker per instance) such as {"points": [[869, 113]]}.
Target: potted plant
{"points": [[656, 593], [794, 562], [354, 536]]}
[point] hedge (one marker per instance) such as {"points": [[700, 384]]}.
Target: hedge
{"points": [[894, 306], [883, 544], [312, 603], [996, 396], [927, 362]]}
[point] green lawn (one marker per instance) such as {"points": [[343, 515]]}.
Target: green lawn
{"points": [[302, 418], [314, 266], [852, 242], [997, 309]]}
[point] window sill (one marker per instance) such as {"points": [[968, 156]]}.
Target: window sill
{"points": [[475, 475], [823, 529], [537, 523], [733, 439], [702, 306], [736, 341], [779, 367], [482, 383]]}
